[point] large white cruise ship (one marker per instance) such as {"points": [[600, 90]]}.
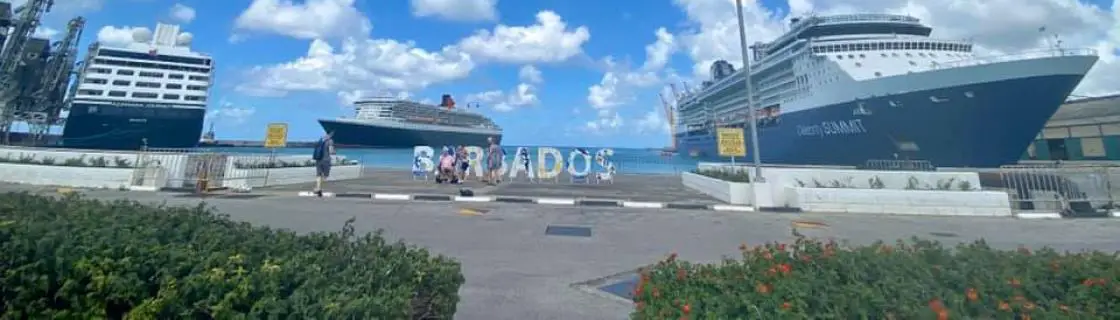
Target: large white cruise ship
{"points": [[151, 93], [400, 123], [845, 89]]}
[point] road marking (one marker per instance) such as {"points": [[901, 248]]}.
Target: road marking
{"points": [[389, 196], [556, 201], [647, 205], [727, 207], [473, 199]]}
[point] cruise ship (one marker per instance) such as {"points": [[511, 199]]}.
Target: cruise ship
{"points": [[151, 93], [846, 89], [400, 123]]}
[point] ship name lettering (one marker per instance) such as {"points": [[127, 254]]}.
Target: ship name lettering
{"points": [[832, 128]]}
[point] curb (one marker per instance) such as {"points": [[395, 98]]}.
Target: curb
{"points": [[609, 203]]}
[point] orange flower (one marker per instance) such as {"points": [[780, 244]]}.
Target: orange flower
{"points": [[1025, 316], [1013, 282], [772, 271], [786, 306], [972, 295], [785, 268], [762, 288], [686, 308], [943, 315], [936, 305], [1028, 306], [1004, 306]]}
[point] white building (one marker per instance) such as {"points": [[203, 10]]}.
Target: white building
{"points": [[156, 70]]}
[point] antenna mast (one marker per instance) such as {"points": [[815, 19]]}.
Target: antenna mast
{"points": [[670, 117]]}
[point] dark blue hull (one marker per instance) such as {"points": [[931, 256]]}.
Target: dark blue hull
{"points": [[109, 127], [979, 125], [370, 136]]}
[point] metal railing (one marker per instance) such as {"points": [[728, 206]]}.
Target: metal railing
{"points": [[1034, 54], [1067, 189], [898, 165]]}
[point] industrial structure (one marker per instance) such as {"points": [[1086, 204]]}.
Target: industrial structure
{"points": [[1085, 129], [33, 75]]}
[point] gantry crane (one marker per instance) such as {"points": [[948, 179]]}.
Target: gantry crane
{"points": [[671, 118], [49, 98], [11, 58]]}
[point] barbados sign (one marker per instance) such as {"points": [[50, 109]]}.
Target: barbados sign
{"points": [[546, 163]]}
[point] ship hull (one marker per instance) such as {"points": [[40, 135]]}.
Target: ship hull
{"points": [[364, 135], [113, 127], [980, 125]]}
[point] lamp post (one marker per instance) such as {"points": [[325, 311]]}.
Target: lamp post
{"points": [[750, 102]]}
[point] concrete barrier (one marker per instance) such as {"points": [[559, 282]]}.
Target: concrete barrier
{"points": [[730, 192], [64, 176], [255, 178], [843, 189]]}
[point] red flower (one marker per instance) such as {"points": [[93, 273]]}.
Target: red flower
{"points": [[782, 247], [686, 308], [786, 306], [936, 305], [785, 268], [972, 295]]}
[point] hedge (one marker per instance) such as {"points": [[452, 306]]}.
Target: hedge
{"points": [[74, 258], [916, 279]]}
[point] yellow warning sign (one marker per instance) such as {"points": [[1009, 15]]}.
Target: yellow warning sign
{"points": [[277, 136], [731, 142]]}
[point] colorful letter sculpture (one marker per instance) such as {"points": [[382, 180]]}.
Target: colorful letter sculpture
{"points": [[580, 165]]}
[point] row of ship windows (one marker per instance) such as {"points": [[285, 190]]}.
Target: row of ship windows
{"points": [[143, 84], [908, 55], [152, 56], [143, 95], [936, 46], [148, 74], [149, 65]]}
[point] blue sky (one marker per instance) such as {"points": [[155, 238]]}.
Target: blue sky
{"points": [[551, 72]]}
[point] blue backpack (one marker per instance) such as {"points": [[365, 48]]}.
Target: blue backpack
{"points": [[320, 150]]}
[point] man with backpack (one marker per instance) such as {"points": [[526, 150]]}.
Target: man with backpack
{"points": [[324, 150]]}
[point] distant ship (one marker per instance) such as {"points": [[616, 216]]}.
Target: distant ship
{"points": [[150, 93], [400, 123], [845, 89]]}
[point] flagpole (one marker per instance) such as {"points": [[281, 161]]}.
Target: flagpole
{"points": [[757, 176]]}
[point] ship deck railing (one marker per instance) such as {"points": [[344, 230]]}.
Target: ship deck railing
{"points": [[1027, 55]]}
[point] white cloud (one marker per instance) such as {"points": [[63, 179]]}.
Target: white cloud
{"points": [[521, 96], [617, 84], [45, 32], [998, 26], [113, 35], [371, 64], [456, 10], [530, 74], [547, 41], [182, 13], [228, 113], [653, 122], [313, 19]]}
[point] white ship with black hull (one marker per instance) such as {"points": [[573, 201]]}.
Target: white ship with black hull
{"points": [[399, 123], [845, 89]]}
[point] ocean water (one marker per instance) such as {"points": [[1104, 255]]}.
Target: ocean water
{"points": [[633, 161]]}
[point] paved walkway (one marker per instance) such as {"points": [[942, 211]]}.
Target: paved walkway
{"points": [[645, 188], [514, 271]]}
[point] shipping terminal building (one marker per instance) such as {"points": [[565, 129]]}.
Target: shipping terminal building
{"points": [[1082, 129]]}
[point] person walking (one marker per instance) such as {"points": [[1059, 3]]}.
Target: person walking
{"points": [[494, 156], [463, 163], [324, 150]]}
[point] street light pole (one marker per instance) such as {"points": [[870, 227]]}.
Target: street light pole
{"points": [[750, 102]]}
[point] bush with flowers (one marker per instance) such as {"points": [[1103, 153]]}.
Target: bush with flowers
{"points": [[914, 279]]}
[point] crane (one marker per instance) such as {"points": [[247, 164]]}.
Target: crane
{"points": [[11, 58], [671, 118], [49, 97]]}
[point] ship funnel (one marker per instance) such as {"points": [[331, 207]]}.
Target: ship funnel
{"points": [[447, 102]]}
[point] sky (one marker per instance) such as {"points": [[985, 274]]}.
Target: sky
{"points": [[550, 72]]}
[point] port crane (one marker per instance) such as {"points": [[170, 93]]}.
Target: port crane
{"points": [[11, 58], [670, 118], [49, 98]]}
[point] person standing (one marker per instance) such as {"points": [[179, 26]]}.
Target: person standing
{"points": [[463, 163], [324, 150], [494, 157]]}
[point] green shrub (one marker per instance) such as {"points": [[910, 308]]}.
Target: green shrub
{"points": [[75, 258], [741, 176], [911, 280]]}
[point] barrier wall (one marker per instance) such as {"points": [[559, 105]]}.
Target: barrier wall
{"points": [[843, 189], [154, 170]]}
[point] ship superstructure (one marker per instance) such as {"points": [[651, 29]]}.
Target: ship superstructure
{"points": [[845, 89], [152, 92], [397, 123]]}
